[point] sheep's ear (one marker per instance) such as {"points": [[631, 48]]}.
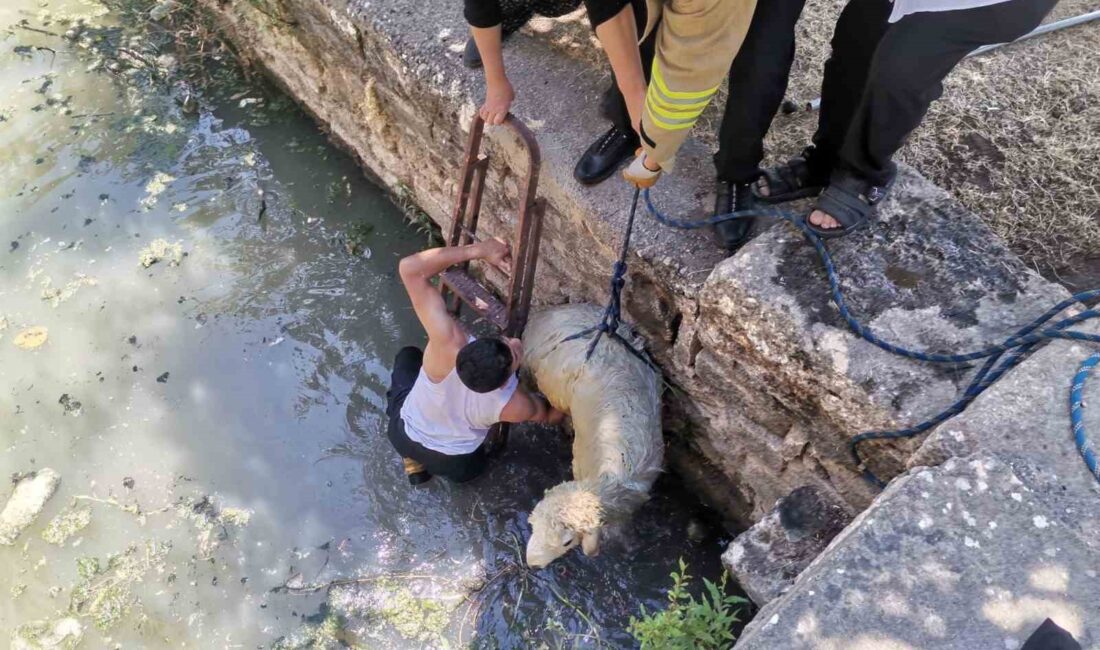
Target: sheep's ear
{"points": [[590, 543]]}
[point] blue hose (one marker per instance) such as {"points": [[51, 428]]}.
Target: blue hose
{"points": [[1076, 413], [999, 358]]}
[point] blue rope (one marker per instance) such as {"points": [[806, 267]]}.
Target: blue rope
{"points": [[1076, 415], [612, 314], [999, 358]]}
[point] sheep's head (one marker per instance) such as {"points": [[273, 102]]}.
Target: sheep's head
{"points": [[569, 514]]}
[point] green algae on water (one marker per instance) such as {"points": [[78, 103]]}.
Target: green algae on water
{"points": [[105, 594], [213, 524], [63, 634], [65, 525], [329, 634], [416, 618]]}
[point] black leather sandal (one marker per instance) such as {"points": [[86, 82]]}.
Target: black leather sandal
{"points": [[794, 180], [849, 200]]}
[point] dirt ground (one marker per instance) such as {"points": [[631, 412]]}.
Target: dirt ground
{"points": [[1016, 135]]}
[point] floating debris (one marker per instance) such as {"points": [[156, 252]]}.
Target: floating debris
{"points": [[163, 378], [155, 187], [65, 525], [65, 633], [160, 250], [415, 618], [105, 592], [70, 405], [57, 296], [162, 9], [213, 523], [32, 491], [31, 338], [330, 632], [356, 241]]}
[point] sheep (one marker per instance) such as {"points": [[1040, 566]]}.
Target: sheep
{"points": [[614, 402]]}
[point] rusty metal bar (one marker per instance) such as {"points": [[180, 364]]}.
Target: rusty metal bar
{"points": [[464, 231], [525, 238], [530, 221]]}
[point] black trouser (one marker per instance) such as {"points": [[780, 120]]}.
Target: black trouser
{"points": [[878, 83], [757, 83], [458, 468]]}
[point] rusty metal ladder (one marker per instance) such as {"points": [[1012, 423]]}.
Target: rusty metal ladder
{"points": [[457, 285]]}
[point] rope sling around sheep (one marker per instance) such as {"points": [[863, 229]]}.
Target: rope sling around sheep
{"points": [[999, 358]]}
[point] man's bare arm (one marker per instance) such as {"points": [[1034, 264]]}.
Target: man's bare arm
{"points": [[524, 407], [498, 90], [418, 270], [619, 38]]}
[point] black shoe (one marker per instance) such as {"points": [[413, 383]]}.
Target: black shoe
{"points": [[415, 472], [733, 197], [471, 58], [604, 156]]}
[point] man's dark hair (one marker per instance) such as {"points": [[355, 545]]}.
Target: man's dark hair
{"points": [[485, 364]]}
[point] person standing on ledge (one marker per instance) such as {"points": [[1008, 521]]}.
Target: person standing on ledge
{"points": [[887, 66], [692, 44], [506, 15], [443, 400], [492, 21]]}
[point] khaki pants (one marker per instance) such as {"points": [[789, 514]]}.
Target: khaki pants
{"points": [[696, 41]]}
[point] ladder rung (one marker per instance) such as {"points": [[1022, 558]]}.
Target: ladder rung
{"points": [[476, 296]]}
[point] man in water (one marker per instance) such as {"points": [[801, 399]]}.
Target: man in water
{"points": [[443, 400]]}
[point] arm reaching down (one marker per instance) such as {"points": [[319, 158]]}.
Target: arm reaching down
{"points": [[619, 37], [498, 89], [485, 18]]}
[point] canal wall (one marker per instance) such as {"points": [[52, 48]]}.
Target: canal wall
{"points": [[767, 382]]}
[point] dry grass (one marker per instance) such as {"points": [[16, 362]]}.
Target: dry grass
{"points": [[1016, 136]]}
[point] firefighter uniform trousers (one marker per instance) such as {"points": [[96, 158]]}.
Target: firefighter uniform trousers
{"points": [[696, 42]]}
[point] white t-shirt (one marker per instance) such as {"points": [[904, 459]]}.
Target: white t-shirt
{"points": [[903, 8], [450, 418]]}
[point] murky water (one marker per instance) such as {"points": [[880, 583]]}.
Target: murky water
{"points": [[220, 418]]}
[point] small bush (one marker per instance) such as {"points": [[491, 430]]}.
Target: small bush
{"points": [[688, 624]]}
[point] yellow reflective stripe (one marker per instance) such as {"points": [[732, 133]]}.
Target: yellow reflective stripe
{"points": [[669, 124], [683, 108], [660, 82], [656, 107]]}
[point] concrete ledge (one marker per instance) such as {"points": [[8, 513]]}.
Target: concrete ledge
{"points": [[770, 383], [965, 555]]}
